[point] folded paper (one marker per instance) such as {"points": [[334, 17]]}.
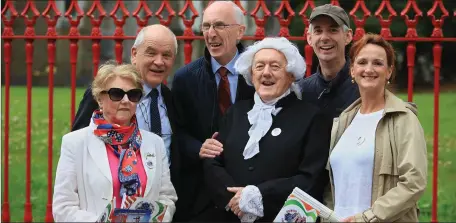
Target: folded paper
{"points": [[301, 207], [140, 211]]}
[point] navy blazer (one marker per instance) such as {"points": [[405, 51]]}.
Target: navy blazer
{"points": [[294, 158]]}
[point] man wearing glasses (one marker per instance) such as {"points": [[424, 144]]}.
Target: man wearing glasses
{"points": [[202, 92]]}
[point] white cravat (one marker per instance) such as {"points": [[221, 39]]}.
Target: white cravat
{"points": [[260, 117]]}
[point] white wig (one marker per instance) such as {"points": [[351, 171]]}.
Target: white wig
{"points": [[295, 62]]}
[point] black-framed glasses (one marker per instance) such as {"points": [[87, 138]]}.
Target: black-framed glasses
{"points": [[116, 94], [218, 26]]}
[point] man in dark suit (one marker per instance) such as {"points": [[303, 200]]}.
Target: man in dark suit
{"points": [[202, 91], [153, 53]]}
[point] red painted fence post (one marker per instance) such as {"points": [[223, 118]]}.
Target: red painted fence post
{"points": [[7, 33], [29, 34], [52, 34], [437, 52]]}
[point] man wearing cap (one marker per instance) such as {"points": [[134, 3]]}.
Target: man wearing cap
{"points": [[330, 87]]}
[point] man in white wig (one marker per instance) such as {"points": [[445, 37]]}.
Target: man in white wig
{"points": [[271, 143]]}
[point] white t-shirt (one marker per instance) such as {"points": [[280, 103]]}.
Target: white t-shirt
{"points": [[352, 164]]}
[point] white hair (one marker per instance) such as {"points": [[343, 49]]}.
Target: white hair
{"points": [[344, 27], [295, 62], [140, 38], [238, 14]]}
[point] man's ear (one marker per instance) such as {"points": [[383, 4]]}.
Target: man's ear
{"points": [[309, 39], [348, 37], [241, 32], [134, 51]]}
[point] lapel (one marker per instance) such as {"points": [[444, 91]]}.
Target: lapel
{"points": [[149, 161], [244, 91], [167, 99], [97, 151]]}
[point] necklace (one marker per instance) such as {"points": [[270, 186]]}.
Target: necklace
{"points": [[360, 140]]}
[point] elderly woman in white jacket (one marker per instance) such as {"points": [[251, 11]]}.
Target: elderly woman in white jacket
{"points": [[111, 157]]}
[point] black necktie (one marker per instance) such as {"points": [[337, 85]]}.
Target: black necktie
{"points": [[155, 122]]}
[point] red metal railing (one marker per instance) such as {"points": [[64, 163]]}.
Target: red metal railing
{"points": [[9, 14]]}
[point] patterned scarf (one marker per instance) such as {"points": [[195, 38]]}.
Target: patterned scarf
{"points": [[125, 141]]}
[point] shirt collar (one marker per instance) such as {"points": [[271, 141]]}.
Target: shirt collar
{"points": [[230, 66], [341, 76], [148, 89]]}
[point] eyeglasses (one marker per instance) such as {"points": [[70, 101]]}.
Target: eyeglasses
{"points": [[218, 26], [116, 94]]}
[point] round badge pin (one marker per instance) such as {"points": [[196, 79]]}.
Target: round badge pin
{"points": [[149, 164], [276, 132]]}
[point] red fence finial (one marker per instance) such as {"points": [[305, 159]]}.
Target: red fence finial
{"points": [[260, 23], [96, 32], [165, 5], [438, 23], [335, 2], [51, 20], [359, 23], [188, 28], [284, 22], [411, 23], [385, 23], [142, 22]]}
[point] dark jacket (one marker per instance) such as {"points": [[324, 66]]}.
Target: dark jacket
{"points": [[196, 103], [295, 158], [85, 110], [88, 105], [331, 96]]}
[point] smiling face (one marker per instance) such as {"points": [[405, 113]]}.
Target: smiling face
{"points": [[328, 39], [154, 57], [222, 43], [370, 69], [118, 112], [269, 75]]}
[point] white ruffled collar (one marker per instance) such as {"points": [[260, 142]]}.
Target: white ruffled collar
{"points": [[260, 119]]}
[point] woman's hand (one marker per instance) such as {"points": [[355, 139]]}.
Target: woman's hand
{"points": [[349, 219]]}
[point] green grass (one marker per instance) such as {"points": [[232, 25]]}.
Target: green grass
{"points": [[61, 121]]}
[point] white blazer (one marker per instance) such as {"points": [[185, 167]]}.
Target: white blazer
{"points": [[83, 182]]}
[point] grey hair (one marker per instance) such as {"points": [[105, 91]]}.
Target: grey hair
{"points": [[140, 39], [238, 14], [344, 27], [295, 61]]}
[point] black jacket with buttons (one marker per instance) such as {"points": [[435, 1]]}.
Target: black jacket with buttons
{"points": [[334, 96], [294, 158]]}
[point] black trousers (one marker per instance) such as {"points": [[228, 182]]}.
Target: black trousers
{"points": [[214, 214]]}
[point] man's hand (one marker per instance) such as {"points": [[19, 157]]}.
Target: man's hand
{"points": [[234, 202], [211, 147]]}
